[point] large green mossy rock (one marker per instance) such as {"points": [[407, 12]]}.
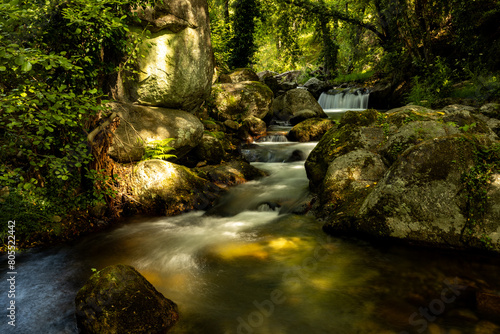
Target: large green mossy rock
{"points": [[422, 198], [311, 129], [414, 174], [238, 101], [118, 299], [175, 65]]}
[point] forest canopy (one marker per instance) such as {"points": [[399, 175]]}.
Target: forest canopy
{"points": [[457, 39]]}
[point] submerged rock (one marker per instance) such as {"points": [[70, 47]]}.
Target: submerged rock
{"points": [[118, 299]]}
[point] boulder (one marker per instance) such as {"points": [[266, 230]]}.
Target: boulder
{"points": [[231, 173], [243, 74], [311, 129], [175, 65], [350, 173], [413, 174], [118, 299], [252, 127], [266, 74], [165, 188], [413, 133], [337, 142], [210, 150], [143, 125], [421, 199], [302, 115], [237, 101], [316, 87], [491, 110], [292, 102]]}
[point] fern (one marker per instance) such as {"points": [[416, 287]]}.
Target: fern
{"points": [[158, 149]]}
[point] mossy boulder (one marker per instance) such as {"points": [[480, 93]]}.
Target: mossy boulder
{"points": [[252, 128], [118, 299], [175, 66], [210, 150], [337, 142], [359, 118], [413, 133], [143, 125], [311, 129], [441, 187], [294, 101], [166, 188], [243, 74], [237, 101]]}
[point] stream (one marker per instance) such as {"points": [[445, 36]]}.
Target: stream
{"points": [[247, 268]]}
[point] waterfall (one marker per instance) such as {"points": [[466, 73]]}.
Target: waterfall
{"points": [[344, 99]]}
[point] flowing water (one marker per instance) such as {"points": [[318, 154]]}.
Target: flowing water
{"points": [[250, 267], [336, 103]]}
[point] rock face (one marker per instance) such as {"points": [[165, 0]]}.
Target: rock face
{"points": [[118, 299], [142, 125], [237, 101], [294, 101], [166, 188], [415, 174], [176, 63]]}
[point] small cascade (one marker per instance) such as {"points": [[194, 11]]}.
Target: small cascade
{"points": [[274, 138], [346, 99]]}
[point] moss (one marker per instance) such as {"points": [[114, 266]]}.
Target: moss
{"points": [[360, 118]]}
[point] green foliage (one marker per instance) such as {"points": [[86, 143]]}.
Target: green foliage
{"points": [[54, 59], [436, 84], [242, 42], [476, 182], [158, 149], [354, 77]]}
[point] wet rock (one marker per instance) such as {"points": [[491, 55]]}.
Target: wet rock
{"points": [[165, 188], [297, 155], [311, 129], [140, 125], [292, 102], [118, 299], [231, 173]]}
